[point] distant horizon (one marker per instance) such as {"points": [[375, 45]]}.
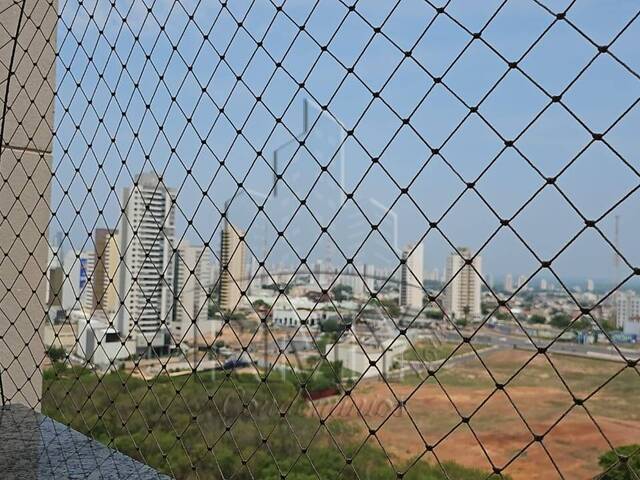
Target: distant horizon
{"points": [[205, 147]]}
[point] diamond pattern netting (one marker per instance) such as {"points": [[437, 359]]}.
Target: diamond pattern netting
{"points": [[480, 124]]}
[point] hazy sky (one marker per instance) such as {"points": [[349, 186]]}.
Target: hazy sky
{"points": [[143, 69]]}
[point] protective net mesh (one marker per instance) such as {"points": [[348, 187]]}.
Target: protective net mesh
{"points": [[260, 239]]}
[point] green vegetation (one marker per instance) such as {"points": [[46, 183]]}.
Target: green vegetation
{"points": [[560, 320], [428, 351], [334, 326], [327, 375], [342, 292], [583, 324], [56, 354], [212, 425], [390, 305], [322, 342], [623, 465], [259, 303], [537, 319], [434, 313]]}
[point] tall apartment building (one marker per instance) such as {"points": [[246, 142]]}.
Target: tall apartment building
{"points": [[104, 278], [192, 284], [77, 288], [232, 268], [543, 284], [368, 272], [112, 264], [411, 277], [628, 312], [55, 277], [147, 242], [508, 283], [462, 296]]}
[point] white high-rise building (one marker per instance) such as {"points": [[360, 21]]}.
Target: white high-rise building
{"points": [[590, 285], [232, 268], [325, 274], [368, 272], [350, 278], [462, 298], [522, 280], [358, 283], [192, 276], [628, 311], [77, 286], [543, 284], [411, 277], [508, 283], [147, 242]]}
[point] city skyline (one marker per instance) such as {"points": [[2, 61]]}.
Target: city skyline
{"points": [[334, 239], [208, 156]]}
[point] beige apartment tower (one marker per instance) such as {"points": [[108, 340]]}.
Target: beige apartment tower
{"points": [[411, 276], [232, 268], [462, 298], [105, 270]]}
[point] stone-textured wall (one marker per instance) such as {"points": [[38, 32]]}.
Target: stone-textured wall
{"points": [[27, 84]]}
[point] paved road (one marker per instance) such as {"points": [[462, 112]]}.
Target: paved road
{"points": [[583, 350]]}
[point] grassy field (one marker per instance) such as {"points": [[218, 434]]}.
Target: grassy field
{"points": [[538, 398], [211, 422], [213, 426], [430, 350]]}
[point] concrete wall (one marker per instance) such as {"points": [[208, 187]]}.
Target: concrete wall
{"points": [[26, 98]]}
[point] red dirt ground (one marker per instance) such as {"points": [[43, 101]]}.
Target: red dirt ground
{"points": [[573, 444]]}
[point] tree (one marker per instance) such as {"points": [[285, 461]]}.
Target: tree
{"points": [[391, 306], [560, 320], [434, 313], [537, 319], [582, 324], [102, 419], [56, 354], [259, 303], [623, 465], [342, 292], [212, 309], [332, 325]]}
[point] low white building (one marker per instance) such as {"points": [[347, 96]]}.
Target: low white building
{"points": [[288, 312], [203, 333], [357, 357], [99, 343]]}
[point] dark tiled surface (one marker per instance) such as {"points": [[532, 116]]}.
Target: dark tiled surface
{"points": [[33, 446]]}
